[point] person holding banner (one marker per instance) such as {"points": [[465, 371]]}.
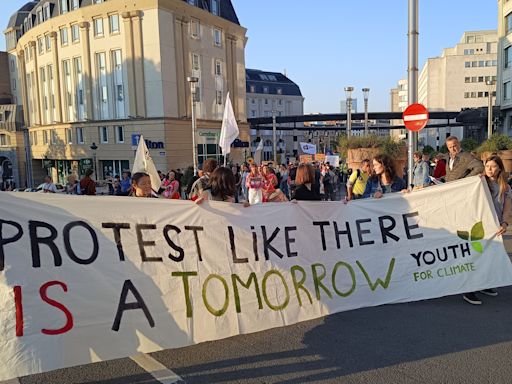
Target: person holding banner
{"points": [[221, 186], [254, 184], [304, 181], [494, 174], [420, 171], [141, 185], [208, 167], [356, 183], [384, 178], [171, 186]]}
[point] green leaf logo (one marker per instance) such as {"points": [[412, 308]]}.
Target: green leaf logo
{"points": [[463, 235], [477, 233]]}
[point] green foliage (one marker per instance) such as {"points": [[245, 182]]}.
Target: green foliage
{"points": [[389, 146], [468, 144], [443, 149], [497, 142], [428, 150]]}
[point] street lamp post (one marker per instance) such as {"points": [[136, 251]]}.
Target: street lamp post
{"points": [[94, 147], [348, 93], [193, 82], [490, 83], [366, 92], [274, 135]]}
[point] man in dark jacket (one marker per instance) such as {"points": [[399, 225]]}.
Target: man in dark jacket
{"points": [[460, 164]]}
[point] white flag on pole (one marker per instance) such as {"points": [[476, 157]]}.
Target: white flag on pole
{"points": [[229, 131], [258, 152], [144, 163], [308, 148]]}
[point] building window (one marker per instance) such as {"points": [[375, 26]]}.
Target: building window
{"points": [[253, 113], [79, 135], [63, 6], [40, 45], [34, 137], [266, 101], [75, 4], [55, 137], [192, 2], [69, 138], [253, 101], [117, 77], [215, 7], [217, 37], [195, 28], [45, 137], [104, 135], [40, 18], [64, 36], [280, 102], [79, 88], [46, 13], [279, 91], [49, 71], [5, 140], [113, 21], [469, 51], [101, 70], [265, 90], [507, 90], [68, 93], [44, 85], [75, 33], [98, 27], [48, 42], [218, 96], [195, 62], [13, 84], [119, 134], [252, 89], [218, 67], [508, 23]]}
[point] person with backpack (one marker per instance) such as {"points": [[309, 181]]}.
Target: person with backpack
{"points": [[356, 183]]}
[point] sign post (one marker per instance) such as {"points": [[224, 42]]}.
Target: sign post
{"points": [[415, 118]]}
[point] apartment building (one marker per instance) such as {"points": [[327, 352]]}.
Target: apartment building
{"points": [[97, 74]]}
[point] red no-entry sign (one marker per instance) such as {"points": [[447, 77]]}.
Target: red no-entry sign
{"points": [[415, 117]]}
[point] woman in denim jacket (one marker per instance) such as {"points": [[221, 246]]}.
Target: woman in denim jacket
{"points": [[383, 179], [421, 177]]}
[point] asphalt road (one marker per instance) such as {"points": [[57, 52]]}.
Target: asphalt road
{"points": [[435, 341]]}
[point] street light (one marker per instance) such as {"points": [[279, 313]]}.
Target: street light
{"points": [[366, 91], [274, 137], [94, 147], [491, 84], [193, 82], [348, 93]]}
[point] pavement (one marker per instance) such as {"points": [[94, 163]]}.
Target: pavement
{"points": [[441, 341]]}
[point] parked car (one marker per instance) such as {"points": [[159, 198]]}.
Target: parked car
{"points": [[39, 188]]}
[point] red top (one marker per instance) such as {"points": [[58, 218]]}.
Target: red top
{"points": [[440, 169]]}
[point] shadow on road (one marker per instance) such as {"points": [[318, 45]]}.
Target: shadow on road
{"points": [[358, 341]]}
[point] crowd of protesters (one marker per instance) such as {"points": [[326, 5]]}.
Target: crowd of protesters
{"points": [[253, 184]]}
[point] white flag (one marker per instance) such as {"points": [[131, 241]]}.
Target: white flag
{"points": [[308, 148], [144, 163], [258, 152], [229, 131]]}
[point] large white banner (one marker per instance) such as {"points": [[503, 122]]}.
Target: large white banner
{"points": [[85, 279]]}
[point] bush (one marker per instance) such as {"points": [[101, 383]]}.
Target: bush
{"points": [[468, 144], [389, 146], [497, 142], [428, 150]]}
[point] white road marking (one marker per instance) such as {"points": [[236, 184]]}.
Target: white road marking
{"points": [[421, 116], [159, 371]]}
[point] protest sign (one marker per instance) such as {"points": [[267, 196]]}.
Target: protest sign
{"points": [[86, 279]]}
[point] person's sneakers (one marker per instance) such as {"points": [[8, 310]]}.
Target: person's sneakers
{"points": [[471, 298], [489, 292]]}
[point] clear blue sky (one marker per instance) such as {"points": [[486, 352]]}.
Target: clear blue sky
{"points": [[325, 45]]}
